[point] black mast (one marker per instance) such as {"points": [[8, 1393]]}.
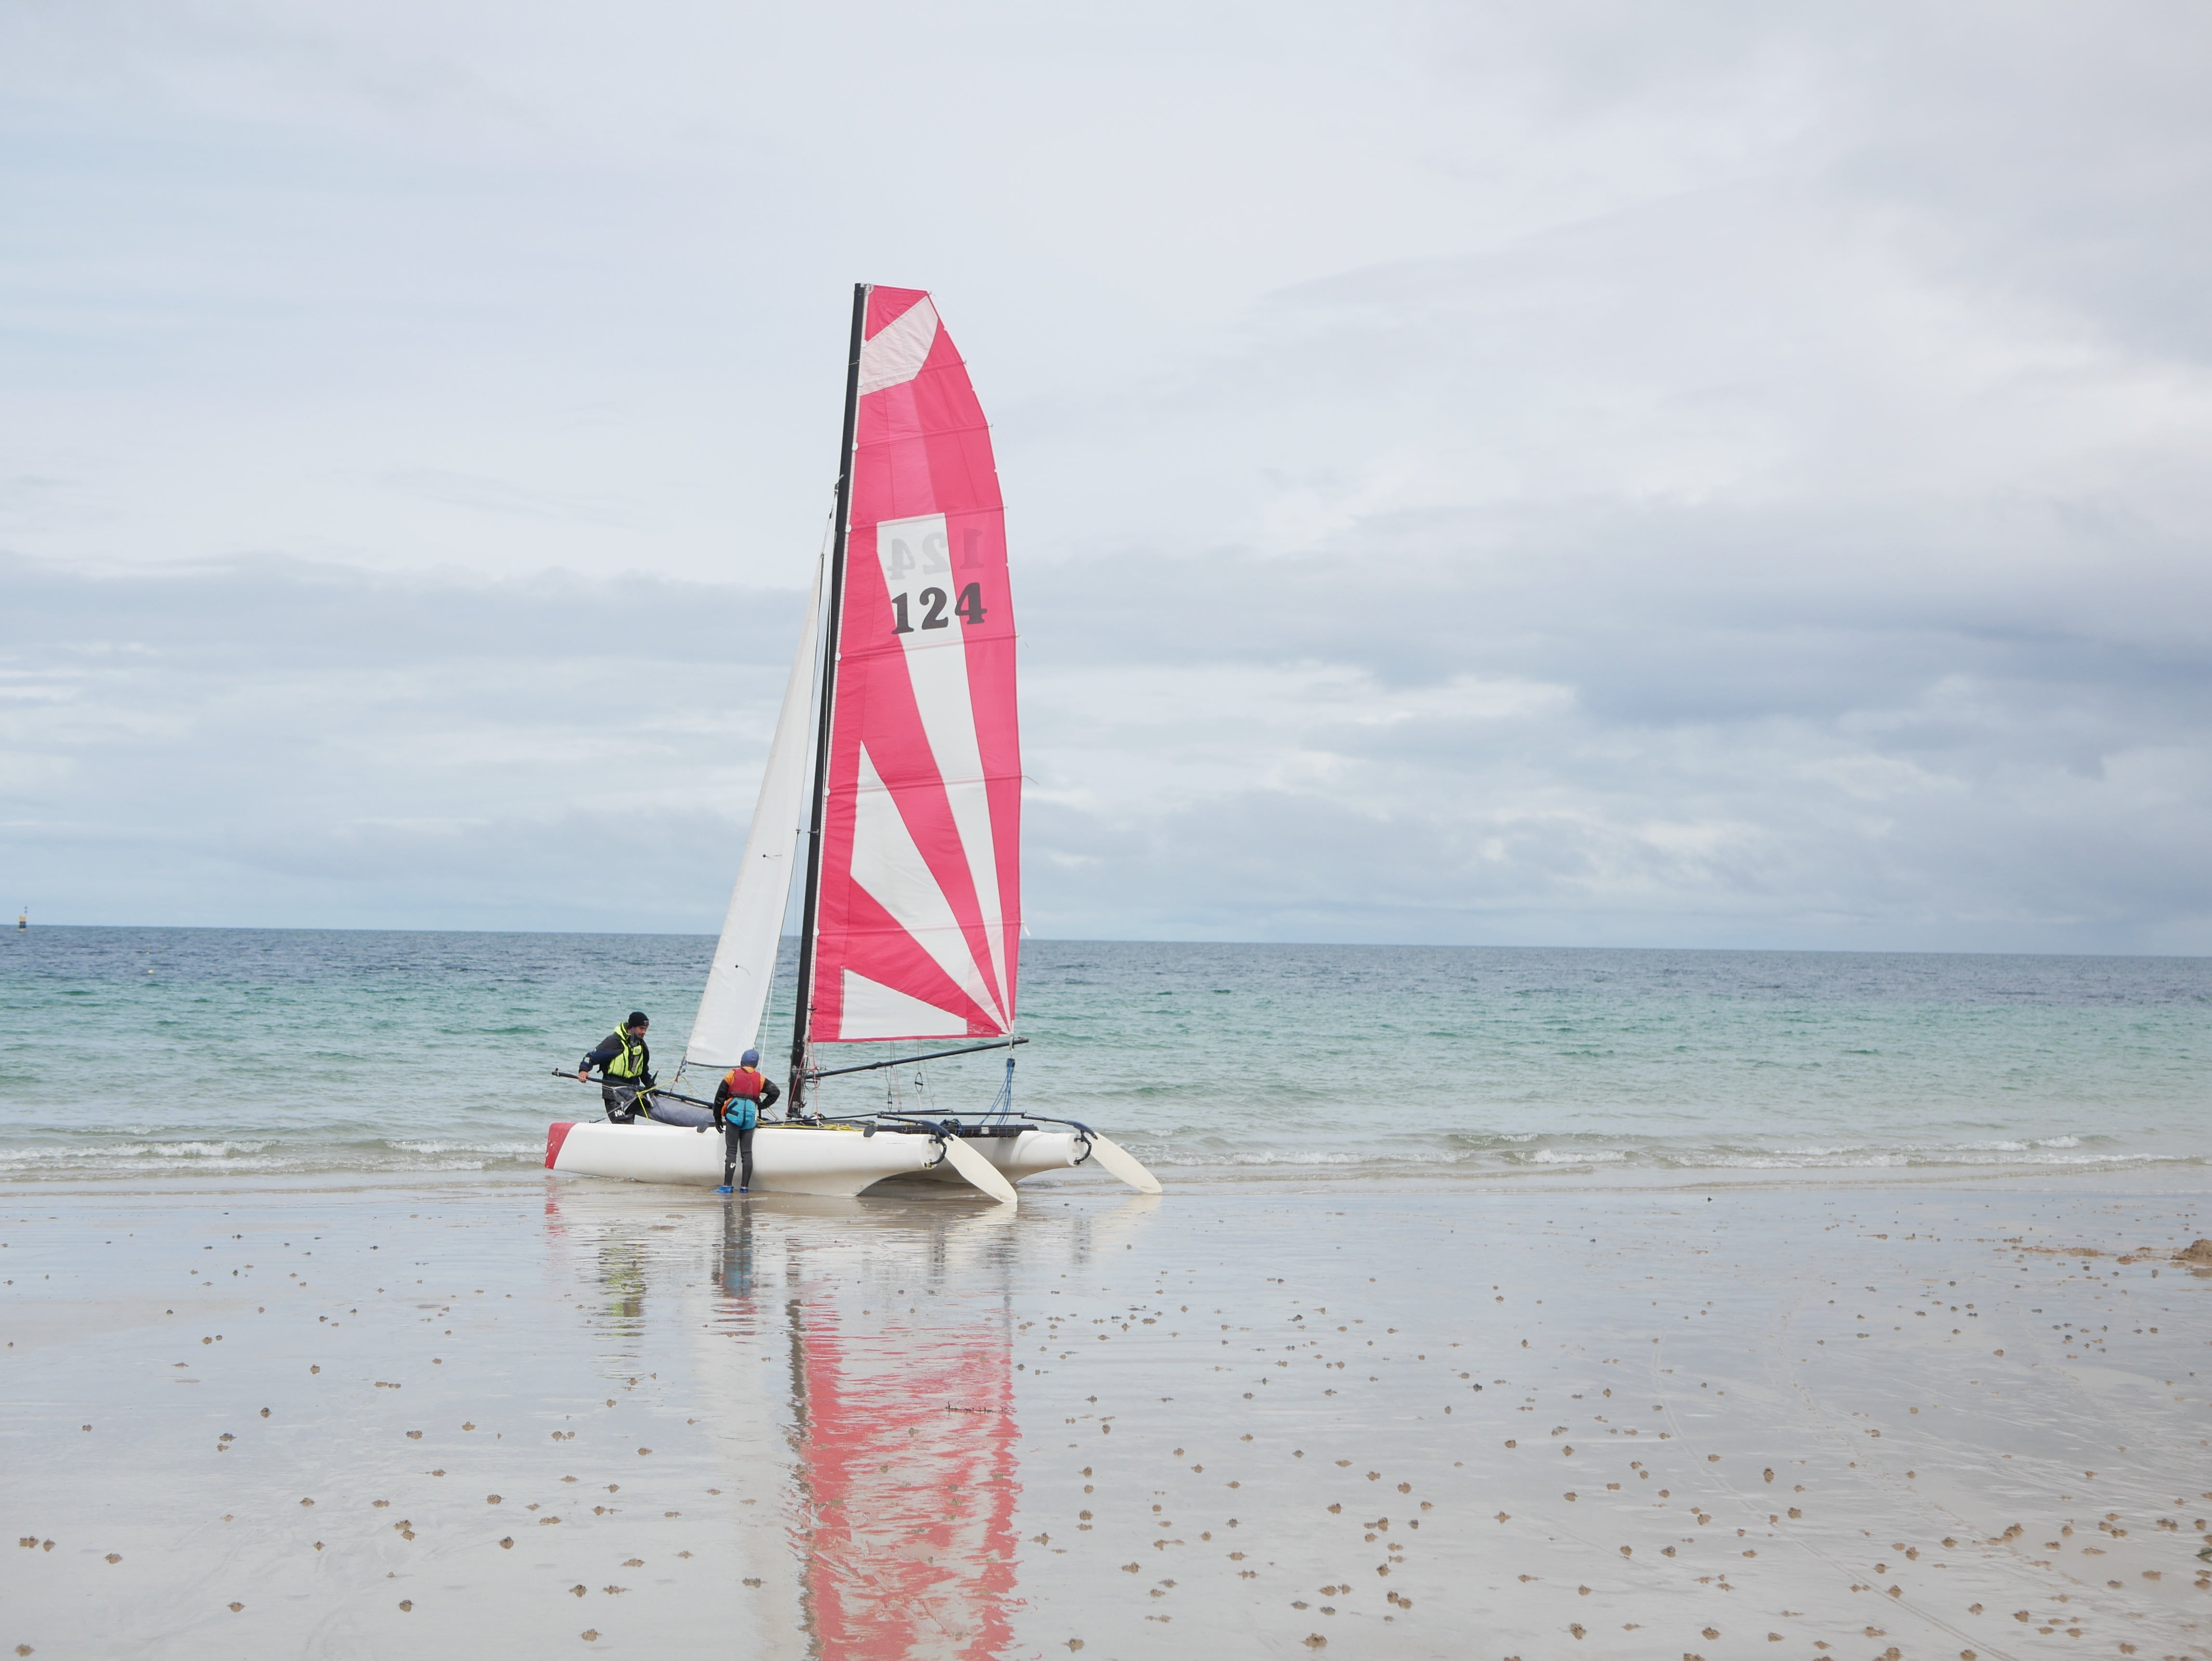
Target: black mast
{"points": [[803, 1000]]}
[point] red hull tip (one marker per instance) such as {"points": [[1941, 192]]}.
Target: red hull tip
{"points": [[555, 1135]]}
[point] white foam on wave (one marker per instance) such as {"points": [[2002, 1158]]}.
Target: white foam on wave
{"points": [[113, 1165], [142, 1151], [201, 1150], [1193, 1153], [513, 1149], [1822, 1152], [1850, 1160], [1165, 1155], [119, 1158]]}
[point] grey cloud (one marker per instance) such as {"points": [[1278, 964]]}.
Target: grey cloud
{"points": [[1413, 756], [1724, 474], [280, 741], [1657, 740], [1571, 836]]}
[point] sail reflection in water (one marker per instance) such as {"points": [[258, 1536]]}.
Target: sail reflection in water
{"points": [[852, 1368], [908, 1452]]}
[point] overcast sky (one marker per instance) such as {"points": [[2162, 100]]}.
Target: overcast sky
{"points": [[1562, 473]]}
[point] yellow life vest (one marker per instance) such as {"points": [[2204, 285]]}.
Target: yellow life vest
{"points": [[631, 1062]]}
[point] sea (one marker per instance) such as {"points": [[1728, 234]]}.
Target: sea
{"points": [[148, 1054]]}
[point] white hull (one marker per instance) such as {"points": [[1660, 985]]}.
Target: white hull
{"points": [[1017, 1156], [835, 1160]]}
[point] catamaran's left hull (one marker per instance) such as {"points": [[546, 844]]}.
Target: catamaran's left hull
{"points": [[787, 1159], [836, 1160]]}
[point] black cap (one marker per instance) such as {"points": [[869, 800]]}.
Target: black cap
{"points": [[637, 1019]]}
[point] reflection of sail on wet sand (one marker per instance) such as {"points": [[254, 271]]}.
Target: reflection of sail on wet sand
{"points": [[851, 1369], [896, 1536], [910, 1456], [843, 1374]]}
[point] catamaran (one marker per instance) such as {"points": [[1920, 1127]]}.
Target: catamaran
{"points": [[897, 766]]}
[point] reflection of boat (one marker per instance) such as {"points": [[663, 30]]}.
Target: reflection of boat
{"points": [[869, 1453], [909, 1461], [903, 1430], [898, 759]]}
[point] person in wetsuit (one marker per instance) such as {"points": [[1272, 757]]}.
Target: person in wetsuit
{"points": [[625, 1067], [739, 1099]]}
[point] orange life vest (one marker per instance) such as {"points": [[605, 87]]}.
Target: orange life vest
{"points": [[745, 1081]]}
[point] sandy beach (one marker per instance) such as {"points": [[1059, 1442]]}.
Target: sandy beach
{"points": [[525, 1415]]}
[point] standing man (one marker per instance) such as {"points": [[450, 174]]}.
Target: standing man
{"points": [[744, 1091], [624, 1061]]}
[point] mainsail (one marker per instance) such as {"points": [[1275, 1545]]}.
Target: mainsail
{"points": [[915, 902], [729, 1018]]}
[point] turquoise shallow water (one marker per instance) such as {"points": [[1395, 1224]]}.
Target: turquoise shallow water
{"points": [[152, 1052]]}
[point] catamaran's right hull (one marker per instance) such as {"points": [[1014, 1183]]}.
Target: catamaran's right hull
{"points": [[1028, 1155], [823, 1159]]}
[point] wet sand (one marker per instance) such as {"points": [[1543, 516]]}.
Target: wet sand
{"points": [[523, 1415]]}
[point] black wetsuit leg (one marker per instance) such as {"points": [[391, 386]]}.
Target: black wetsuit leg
{"points": [[620, 1101], [737, 1153]]}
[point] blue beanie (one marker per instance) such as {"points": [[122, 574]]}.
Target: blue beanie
{"points": [[751, 1058]]}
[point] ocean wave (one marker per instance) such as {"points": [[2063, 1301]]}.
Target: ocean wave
{"points": [[117, 1157], [1367, 1154], [1501, 1155], [164, 1151], [514, 1149]]}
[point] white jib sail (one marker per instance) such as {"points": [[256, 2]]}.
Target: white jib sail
{"points": [[730, 1009]]}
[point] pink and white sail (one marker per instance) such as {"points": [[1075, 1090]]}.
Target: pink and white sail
{"points": [[919, 909]]}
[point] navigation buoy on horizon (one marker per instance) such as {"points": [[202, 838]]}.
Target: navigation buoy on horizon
{"points": [[23, 918]]}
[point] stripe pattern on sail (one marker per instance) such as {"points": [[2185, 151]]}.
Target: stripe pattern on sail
{"points": [[919, 913]]}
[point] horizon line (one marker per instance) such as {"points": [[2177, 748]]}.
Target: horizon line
{"points": [[1082, 940]]}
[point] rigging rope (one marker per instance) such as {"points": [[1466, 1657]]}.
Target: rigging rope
{"points": [[1002, 1105]]}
